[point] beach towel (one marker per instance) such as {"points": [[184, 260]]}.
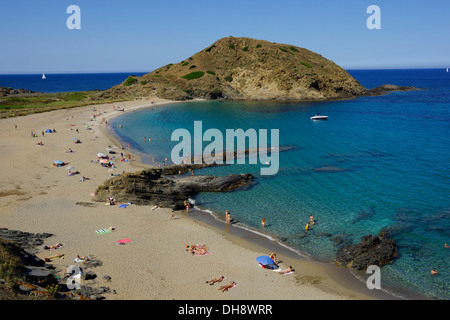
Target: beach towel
{"points": [[49, 259], [203, 254], [124, 205], [102, 231], [123, 241]]}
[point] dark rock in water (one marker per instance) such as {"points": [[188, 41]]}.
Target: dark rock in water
{"points": [[388, 88], [372, 250], [364, 215], [329, 169], [323, 234], [151, 187], [340, 240]]}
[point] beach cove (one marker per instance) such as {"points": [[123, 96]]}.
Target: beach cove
{"points": [[38, 197]]}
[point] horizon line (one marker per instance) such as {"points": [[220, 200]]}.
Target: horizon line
{"points": [[136, 71]]}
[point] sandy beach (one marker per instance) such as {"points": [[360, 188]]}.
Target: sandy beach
{"points": [[38, 197]]}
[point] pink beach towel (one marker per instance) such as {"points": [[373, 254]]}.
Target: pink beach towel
{"points": [[123, 241]]}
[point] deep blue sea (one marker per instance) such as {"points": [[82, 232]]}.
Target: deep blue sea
{"points": [[377, 162], [59, 82]]}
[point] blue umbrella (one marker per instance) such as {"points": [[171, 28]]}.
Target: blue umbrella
{"points": [[265, 260]]}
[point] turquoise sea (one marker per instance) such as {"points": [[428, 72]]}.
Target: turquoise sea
{"points": [[378, 162]]}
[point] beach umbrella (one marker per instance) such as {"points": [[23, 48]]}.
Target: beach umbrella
{"points": [[70, 168], [48, 131], [58, 162], [101, 155], [104, 160], [265, 260]]}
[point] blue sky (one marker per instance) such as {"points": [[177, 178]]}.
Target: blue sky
{"points": [[140, 36]]}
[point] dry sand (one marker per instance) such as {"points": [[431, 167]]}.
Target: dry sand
{"points": [[37, 197]]}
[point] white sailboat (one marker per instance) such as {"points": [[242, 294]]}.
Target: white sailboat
{"points": [[43, 76], [447, 69]]}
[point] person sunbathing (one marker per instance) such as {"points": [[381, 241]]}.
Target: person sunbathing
{"points": [[228, 286], [49, 259], [285, 271], [215, 280], [55, 246], [87, 258], [201, 251]]}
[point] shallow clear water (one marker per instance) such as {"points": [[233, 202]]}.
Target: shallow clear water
{"points": [[378, 162]]}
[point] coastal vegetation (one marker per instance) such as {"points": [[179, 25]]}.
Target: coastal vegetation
{"points": [[130, 80], [194, 75], [23, 104]]}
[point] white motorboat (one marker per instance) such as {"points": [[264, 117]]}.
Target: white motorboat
{"points": [[318, 116]]}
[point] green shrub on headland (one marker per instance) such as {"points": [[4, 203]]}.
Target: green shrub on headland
{"points": [[194, 75], [306, 64], [130, 80]]}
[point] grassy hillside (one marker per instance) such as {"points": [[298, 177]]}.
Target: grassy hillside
{"points": [[244, 69]]}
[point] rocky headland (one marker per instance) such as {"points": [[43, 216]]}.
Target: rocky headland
{"points": [[248, 69], [8, 91]]}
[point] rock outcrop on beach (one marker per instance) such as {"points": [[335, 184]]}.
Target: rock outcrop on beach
{"points": [[244, 69], [23, 275], [372, 250], [156, 187]]}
